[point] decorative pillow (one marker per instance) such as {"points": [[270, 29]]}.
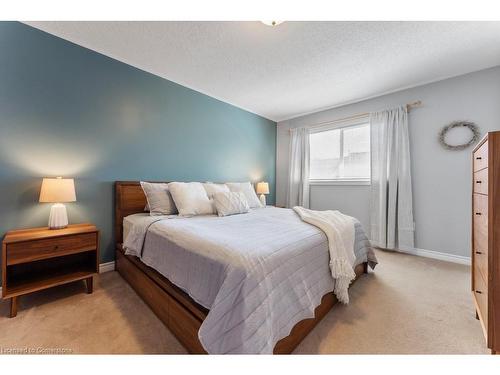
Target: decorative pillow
{"points": [[190, 198], [229, 203], [247, 189], [212, 188], [159, 199]]}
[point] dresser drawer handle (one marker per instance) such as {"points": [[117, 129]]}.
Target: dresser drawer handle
{"points": [[478, 213], [478, 252], [479, 182], [478, 158], [479, 292], [56, 247]]}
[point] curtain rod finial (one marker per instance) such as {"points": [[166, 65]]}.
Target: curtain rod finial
{"points": [[414, 104]]}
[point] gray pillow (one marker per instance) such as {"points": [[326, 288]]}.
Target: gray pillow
{"points": [[160, 201]]}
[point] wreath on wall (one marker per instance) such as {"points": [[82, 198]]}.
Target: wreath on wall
{"points": [[458, 124]]}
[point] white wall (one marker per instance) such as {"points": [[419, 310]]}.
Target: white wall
{"points": [[441, 178]]}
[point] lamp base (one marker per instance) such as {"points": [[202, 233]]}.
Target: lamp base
{"points": [[262, 198], [58, 218]]}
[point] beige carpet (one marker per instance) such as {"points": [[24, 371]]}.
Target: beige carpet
{"points": [[408, 305]]}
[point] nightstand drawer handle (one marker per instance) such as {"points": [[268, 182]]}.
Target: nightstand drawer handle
{"points": [[478, 213], [478, 182], [479, 158], [479, 292], [478, 252], [56, 247]]}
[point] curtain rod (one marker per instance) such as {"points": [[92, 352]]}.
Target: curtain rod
{"points": [[409, 107]]}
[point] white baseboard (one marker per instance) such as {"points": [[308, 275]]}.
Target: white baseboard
{"points": [[106, 267], [436, 255]]}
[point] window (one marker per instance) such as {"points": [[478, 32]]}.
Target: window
{"points": [[340, 155]]}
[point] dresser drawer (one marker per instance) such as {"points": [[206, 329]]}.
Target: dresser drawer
{"points": [[481, 263], [480, 233], [481, 296], [28, 251], [480, 222], [481, 157], [481, 181]]}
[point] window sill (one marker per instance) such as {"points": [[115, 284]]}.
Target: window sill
{"points": [[339, 182]]}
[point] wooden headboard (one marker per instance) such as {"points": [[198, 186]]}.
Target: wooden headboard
{"points": [[129, 199]]}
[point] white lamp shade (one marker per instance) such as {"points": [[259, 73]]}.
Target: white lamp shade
{"points": [[57, 190], [262, 188]]}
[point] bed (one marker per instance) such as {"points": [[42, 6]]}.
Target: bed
{"points": [[262, 291]]}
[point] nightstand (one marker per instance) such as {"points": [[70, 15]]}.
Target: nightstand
{"points": [[40, 258]]}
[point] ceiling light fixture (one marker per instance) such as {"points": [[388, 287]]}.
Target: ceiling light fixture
{"points": [[272, 23]]}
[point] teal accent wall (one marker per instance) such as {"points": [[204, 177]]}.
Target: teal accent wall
{"points": [[69, 111]]}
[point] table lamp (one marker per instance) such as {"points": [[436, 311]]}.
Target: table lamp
{"points": [[262, 188], [58, 190]]}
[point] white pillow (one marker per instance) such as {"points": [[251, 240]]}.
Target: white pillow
{"points": [[212, 188], [247, 189], [190, 198], [229, 203], [159, 199]]}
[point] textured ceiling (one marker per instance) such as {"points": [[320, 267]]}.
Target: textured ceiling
{"points": [[297, 67]]}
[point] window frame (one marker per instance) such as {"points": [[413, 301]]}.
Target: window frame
{"points": [[350, 123]]}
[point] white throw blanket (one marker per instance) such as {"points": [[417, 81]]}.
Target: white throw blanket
{"points": [[339, 230]]}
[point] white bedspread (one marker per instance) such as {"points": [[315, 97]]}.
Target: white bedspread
{"points": [[258, 273]]}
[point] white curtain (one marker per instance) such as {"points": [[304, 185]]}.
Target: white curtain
{"points": [[298, 175], [391, 211]]}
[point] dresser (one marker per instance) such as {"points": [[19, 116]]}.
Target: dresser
{"points": [[486, 237]]}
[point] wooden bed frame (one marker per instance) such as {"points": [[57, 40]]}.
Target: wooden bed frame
{"points": [[179, 312]]}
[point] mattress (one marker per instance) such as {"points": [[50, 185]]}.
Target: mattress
{"points": [[258, 273]]}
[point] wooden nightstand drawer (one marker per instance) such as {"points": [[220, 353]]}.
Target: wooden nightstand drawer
{"points": [[28, 251]]}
